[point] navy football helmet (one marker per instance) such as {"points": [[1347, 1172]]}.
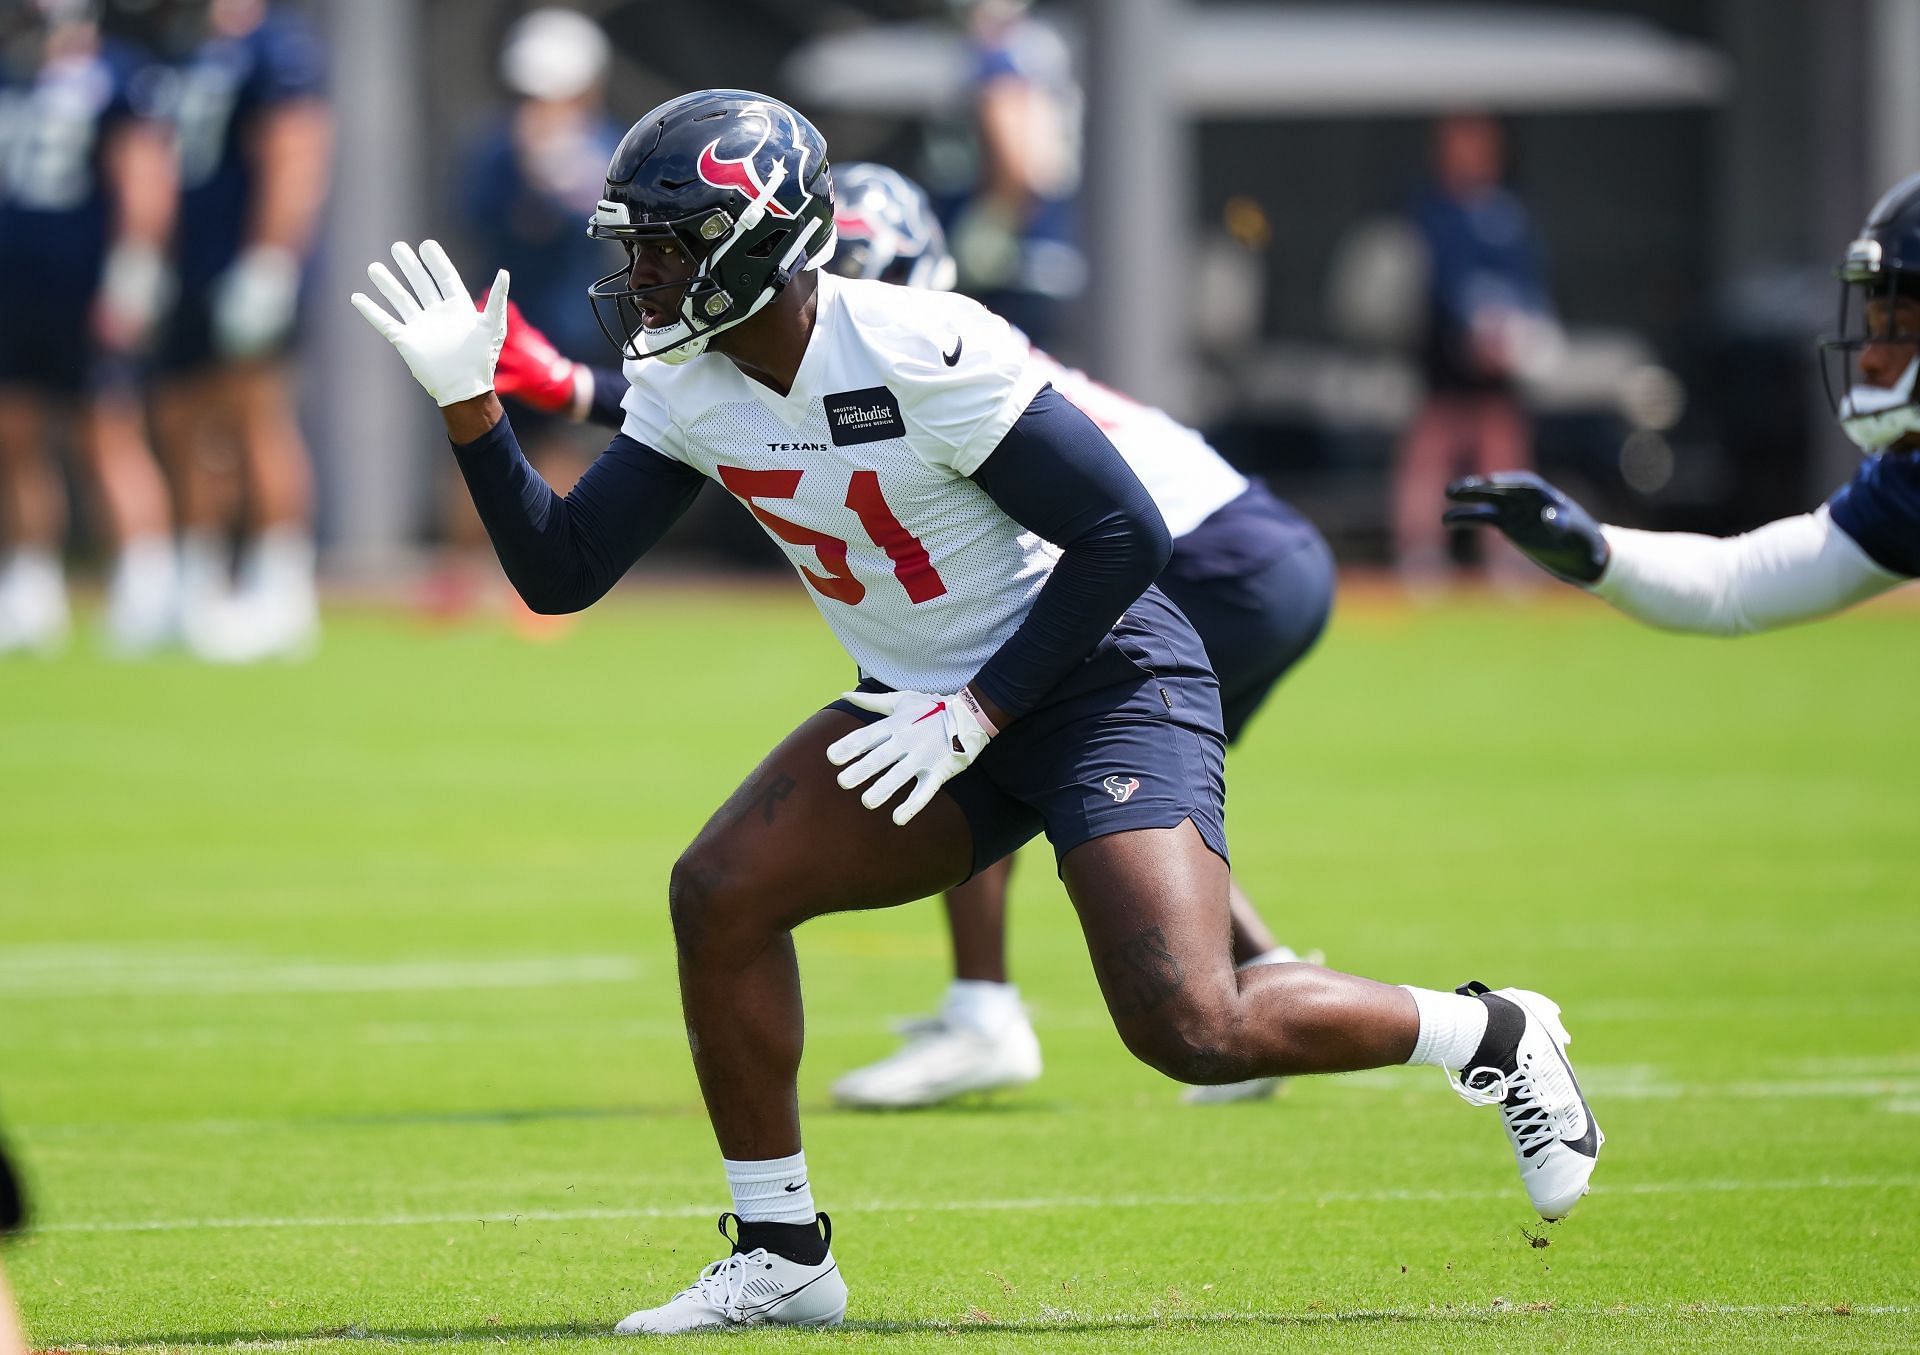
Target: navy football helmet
{"points": [[737, 181], [887, 229], [1882, 266]]}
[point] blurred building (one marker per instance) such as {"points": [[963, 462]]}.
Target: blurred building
{"points": [[1694, 166]]}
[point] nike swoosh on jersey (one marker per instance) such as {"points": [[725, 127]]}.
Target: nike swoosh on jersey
{"points": [[954, 356]]}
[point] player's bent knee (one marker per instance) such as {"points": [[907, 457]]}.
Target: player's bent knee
{"points": [[1188, 1044], [696, 900], [714, 900]]}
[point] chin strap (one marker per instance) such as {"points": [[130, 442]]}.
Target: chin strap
{"points": [[1879, 416]]}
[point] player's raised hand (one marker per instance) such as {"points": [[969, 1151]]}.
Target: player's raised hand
{"points": [[925, 739], [1549, 528], [450, 347]]}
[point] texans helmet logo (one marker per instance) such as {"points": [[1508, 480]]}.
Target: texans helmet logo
{"points": [[1121, 788], [738, 175]]}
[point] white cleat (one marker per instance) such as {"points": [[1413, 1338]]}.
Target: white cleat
{"points": [[749, 1289], [1253, 1089], [1555, 1138], [942, 1060]]}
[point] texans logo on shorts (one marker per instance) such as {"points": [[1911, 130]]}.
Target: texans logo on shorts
{"points": [[1121, 788]]}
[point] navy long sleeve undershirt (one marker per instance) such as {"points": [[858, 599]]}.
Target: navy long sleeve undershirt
{"points": [[563, 554], [1056, 474], [609, 389]]}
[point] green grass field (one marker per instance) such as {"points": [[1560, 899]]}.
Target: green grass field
{"points": [[337, 1002]]}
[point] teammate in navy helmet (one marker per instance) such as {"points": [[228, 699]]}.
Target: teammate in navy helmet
{"points": [[1859, 543]]}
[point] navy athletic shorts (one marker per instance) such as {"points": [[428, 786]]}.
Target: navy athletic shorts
{"points": [[46, 338], [1131, 738], [187, 346], [1256, 579]]}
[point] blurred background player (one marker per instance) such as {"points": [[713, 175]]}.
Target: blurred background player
{"points": [[13, 1215], [1859, 543], [1253, 576], [1487, 316], [87, 195], [255, 145], [527, 183], [1013, 223]]}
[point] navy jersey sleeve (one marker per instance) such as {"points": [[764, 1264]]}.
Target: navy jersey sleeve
{"points": [[563, 554], [1880, 509], [1056, 474]]}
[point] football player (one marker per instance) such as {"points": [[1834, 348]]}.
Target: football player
{"points": [[1252, 575], [87, 195], [987, 559], [1859, 543], [13, 1214], [255, 143]]}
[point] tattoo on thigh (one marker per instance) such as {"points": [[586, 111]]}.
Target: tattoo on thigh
{"points": [[766, 797], [1142, 973]]}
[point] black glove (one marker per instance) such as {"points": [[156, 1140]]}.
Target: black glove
{"points": [[1552, 530]]}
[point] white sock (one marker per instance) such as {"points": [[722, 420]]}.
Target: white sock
{"points": [[772, 1191], [977, 1005], [1451, 1027], [279, 562], [1278, 955], [31, 569], [140, 593], [33, 598], [203, 567]]}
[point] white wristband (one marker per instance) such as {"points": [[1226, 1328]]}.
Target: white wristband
{"points": [[974, 708]]}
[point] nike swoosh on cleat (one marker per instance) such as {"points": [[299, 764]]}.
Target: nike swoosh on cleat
{"points": [[954, 356], [769, 1305]]}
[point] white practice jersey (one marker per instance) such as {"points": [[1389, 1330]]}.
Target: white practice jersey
{"points": [[859, 473], [1187, 479]]}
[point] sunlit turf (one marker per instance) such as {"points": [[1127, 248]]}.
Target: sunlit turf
{"points": [[337, 1001]]}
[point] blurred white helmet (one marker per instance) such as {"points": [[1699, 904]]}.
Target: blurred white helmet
{"points": [[553, 53]]}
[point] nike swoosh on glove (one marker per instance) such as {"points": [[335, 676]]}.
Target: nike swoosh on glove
{"points": [[925, 739], [450, 347]]}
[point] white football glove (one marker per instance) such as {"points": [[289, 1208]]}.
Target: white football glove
{"points": [[254, 301], [925, 739], [136, 287], [450, 347]]}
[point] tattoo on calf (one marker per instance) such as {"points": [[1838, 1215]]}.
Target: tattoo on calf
{"points": [[1142, 973]]}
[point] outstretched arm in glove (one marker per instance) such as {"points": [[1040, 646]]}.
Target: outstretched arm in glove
{"points": [[1795, 569]]}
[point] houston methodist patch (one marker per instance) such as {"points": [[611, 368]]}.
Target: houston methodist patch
{"points": [[871, 415]]}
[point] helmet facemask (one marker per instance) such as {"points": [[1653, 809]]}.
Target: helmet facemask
{"points": [[1874, 416]]}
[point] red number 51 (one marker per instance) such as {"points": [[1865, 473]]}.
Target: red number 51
{"points": [[911, 564]]}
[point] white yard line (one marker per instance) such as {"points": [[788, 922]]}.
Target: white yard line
{"points": [[1311, 1199], [112, 974]]}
